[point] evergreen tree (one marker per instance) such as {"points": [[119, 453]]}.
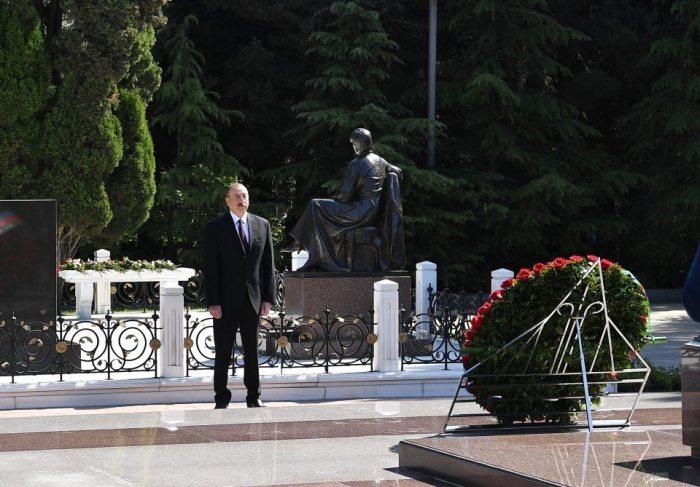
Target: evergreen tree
{"points": [[131, 186], [555, 189], [25, 89], [663, 131], [67, 145], [193, 180]]}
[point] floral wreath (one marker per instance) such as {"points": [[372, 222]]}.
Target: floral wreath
{"points": [[526, 300], [124, 265]]}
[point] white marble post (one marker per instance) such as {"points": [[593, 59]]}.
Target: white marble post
{"points": [[299, 259], [498, 276], [103, 295], [84, 292], [386, 315], [171, 360], [426, 275]]}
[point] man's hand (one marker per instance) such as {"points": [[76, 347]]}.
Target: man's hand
{"points": [[265, 308], [215, 311]]}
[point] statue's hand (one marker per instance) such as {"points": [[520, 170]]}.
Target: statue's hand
{"points": [[398, 171]]}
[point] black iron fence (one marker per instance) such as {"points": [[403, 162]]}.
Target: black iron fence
{"points": [[438, 335], [319, 341], [128, 344], [145, 296], [64, 346]]}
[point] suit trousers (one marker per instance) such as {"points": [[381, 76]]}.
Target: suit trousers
{"points": [[246, 320]]}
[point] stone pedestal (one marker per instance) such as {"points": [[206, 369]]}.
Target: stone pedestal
{"points": [[386, 307], [171, 362], [308, 293], [690, 384]]}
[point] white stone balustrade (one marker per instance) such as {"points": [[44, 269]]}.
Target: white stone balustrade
{"points": [[86, 282]]}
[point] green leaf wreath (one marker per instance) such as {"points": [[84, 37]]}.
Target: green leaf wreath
{"points": [[525, 301], [124, 265]]}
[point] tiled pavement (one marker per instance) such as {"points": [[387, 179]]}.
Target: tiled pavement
{"points": [[303, 444], [342, 443]]}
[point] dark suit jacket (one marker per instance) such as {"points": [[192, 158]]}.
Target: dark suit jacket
{"points": [[229, 270]]}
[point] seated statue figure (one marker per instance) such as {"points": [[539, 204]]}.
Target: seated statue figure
{"points": [[368, 197]]}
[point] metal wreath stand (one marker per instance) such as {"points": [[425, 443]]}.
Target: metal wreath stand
{"points": [[569, 342]]}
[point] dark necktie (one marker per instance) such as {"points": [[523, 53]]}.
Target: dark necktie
{"points": [[241, 232]]}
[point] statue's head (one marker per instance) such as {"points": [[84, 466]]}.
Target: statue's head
{"points": [[361, 141]]}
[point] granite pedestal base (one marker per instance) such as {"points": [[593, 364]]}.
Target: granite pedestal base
{"points": [[690, 384], [345, 293]]}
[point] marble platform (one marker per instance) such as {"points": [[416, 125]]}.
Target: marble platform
{"points": [[649, 453]]}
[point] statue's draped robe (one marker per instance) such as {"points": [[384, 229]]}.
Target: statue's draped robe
{"points": [[322, 228]]}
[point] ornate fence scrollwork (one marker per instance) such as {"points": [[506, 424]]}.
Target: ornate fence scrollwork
{"points": [[146, 295], [319, 341], [78, 346], [437, 336]]}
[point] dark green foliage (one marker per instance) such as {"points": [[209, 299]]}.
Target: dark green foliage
{"points": [[554, 137], [556, 188], [25, 87], [84, 151], [661, 379], [193, 184], [663, 133], [61, 65], [131, 186]]}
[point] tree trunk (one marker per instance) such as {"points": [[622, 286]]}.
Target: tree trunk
{"points": [[67, 243]]}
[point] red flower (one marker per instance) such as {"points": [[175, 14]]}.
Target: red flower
{"points": [[507, 283], [484, 309], [465, 360], [644, 318], [576, 258], [477, 322], [613, 375], [592, 258], [470, 334], [537, 418], [605, 264], [537, 268], [559, 262], [496, 295], [523, 274]]}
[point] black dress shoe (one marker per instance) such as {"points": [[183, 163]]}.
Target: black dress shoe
{"points": [[254, 403], [220, 405]]}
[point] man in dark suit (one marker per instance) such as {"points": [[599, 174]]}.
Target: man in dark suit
{"points": [[239, 275]]}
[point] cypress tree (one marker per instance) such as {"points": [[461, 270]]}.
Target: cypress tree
{"points": [[25, 89], [68, 139]]}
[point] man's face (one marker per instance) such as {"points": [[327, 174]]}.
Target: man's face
{"points": [[237, 200]]}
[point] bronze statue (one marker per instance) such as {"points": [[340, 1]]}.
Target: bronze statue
{"points": [[365, 211]]}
